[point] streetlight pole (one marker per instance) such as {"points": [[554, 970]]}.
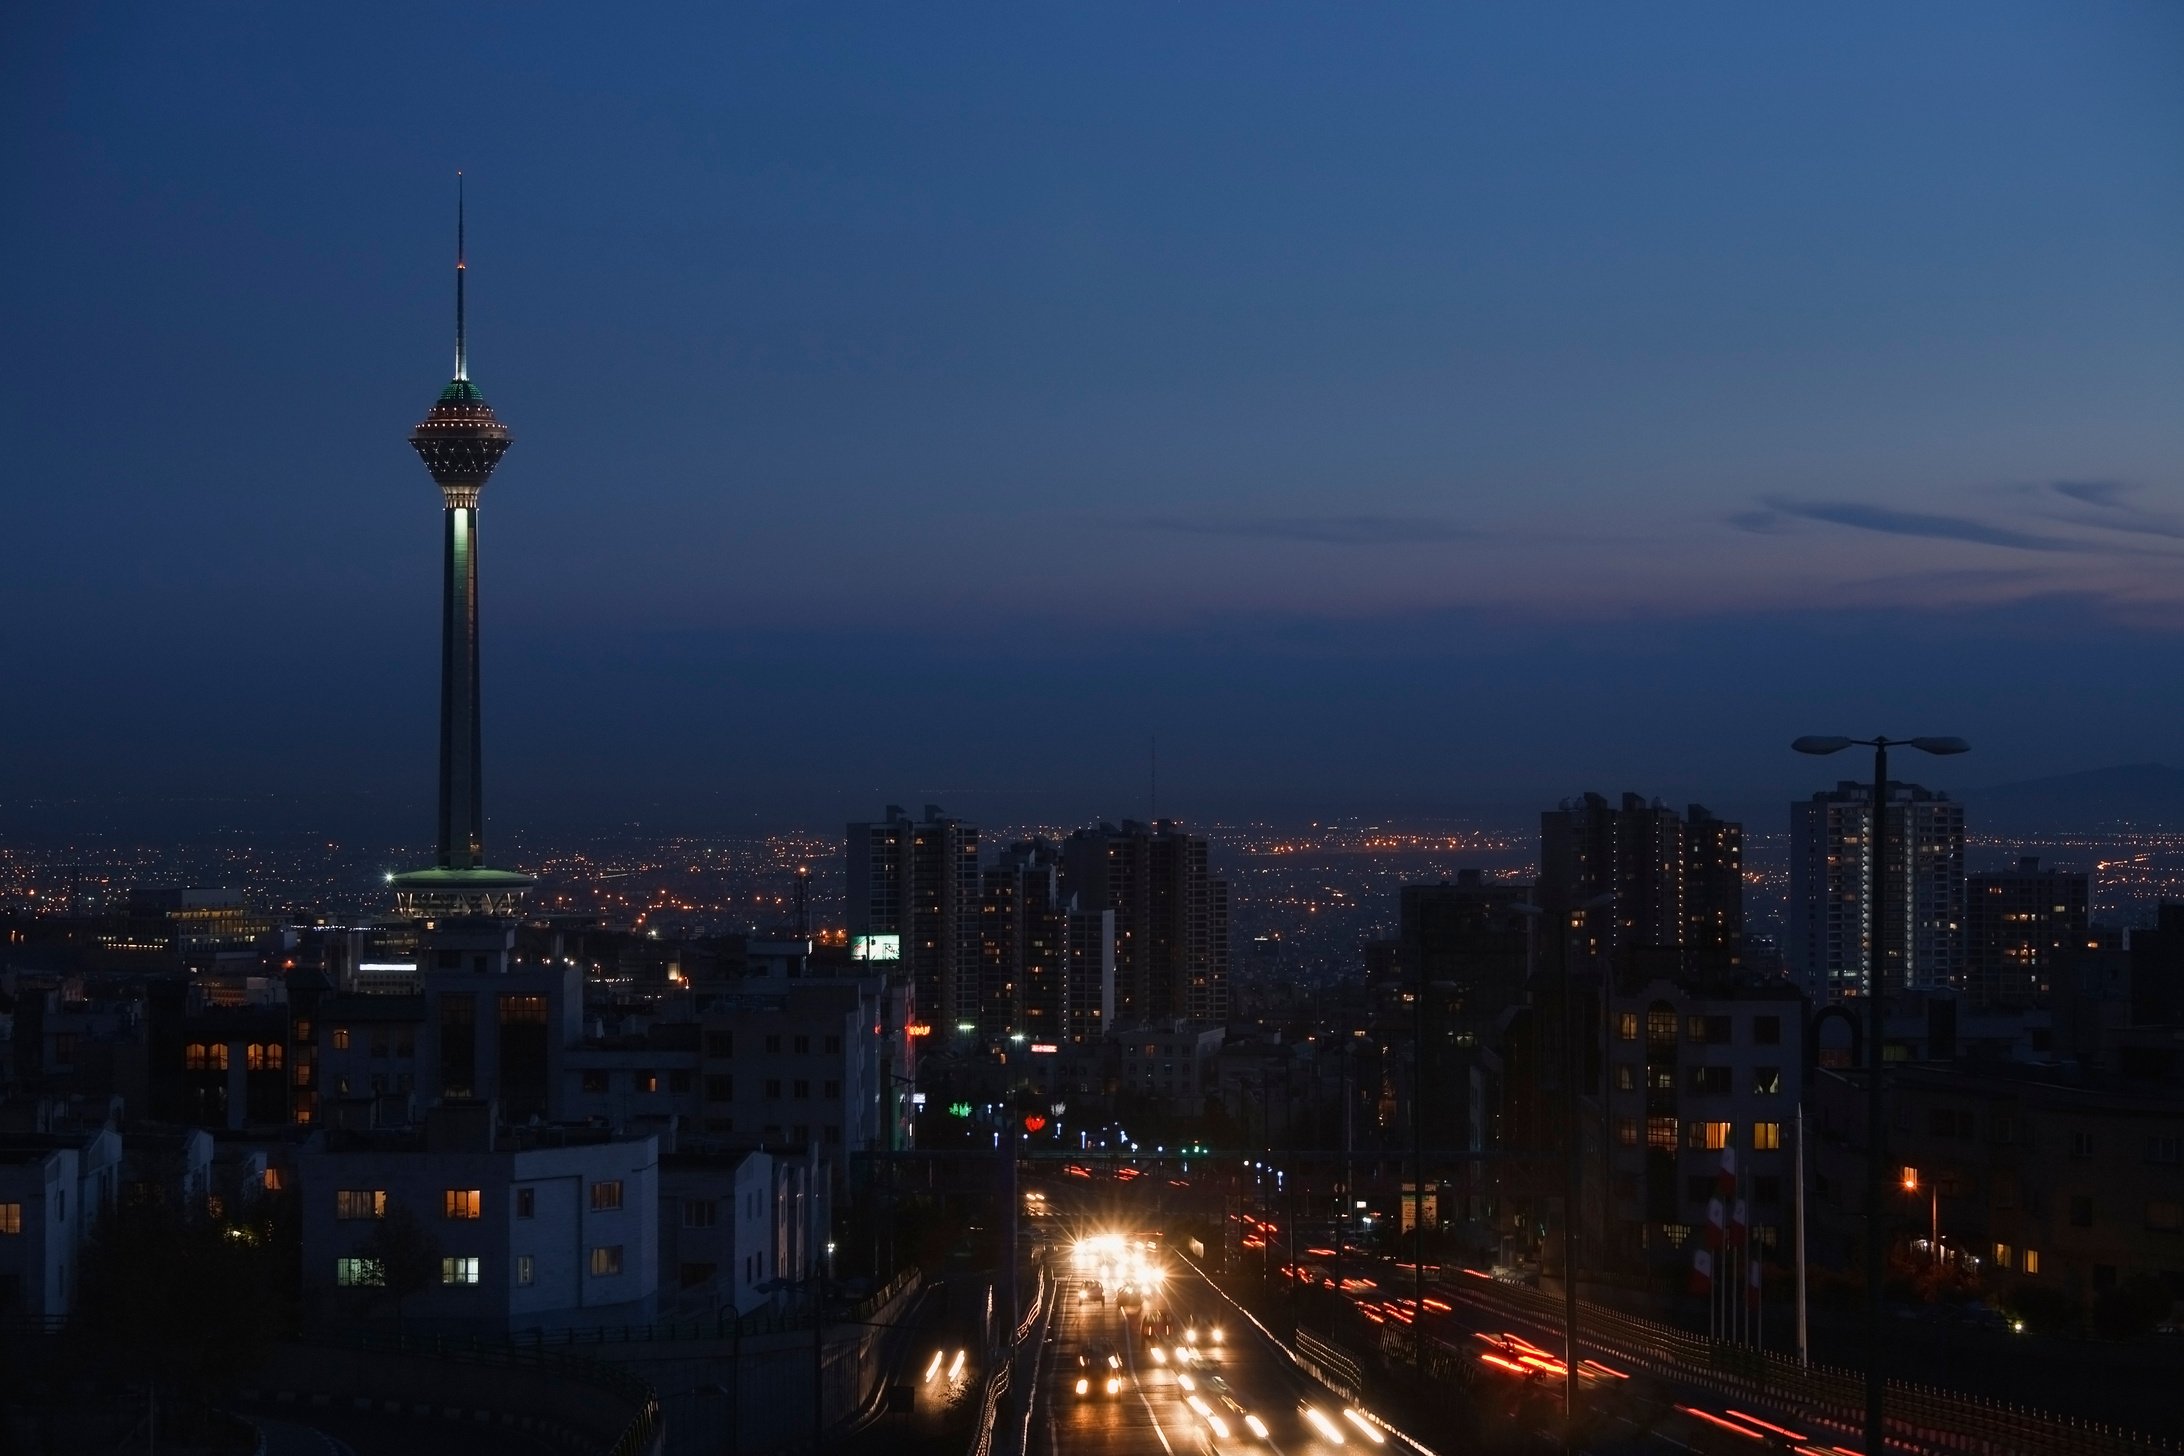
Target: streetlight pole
{"points": [[1876, 980]]}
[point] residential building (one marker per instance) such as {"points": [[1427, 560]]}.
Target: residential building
{"points": [[1677, 882], [1691, 1073], [717, 1227], [482, 1026], [913, 904], [1171, 917], [1831, 844], [535, 1228], [1172, 1063], [57, 1179], [2018, 923], [2041, 1173]]}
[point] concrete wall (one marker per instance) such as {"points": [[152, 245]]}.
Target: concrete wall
{"points": [[541, 1400]]}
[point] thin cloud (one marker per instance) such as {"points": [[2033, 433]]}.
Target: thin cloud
{"points": [[2113, 511], [2093, 492], [1860, 516], [1358, 530]]}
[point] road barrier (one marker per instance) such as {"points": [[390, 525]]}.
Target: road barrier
{"points": [[1920, 1417]]}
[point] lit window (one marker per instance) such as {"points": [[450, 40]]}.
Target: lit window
{"points": [[1626, 1131], [1766, 1137], [2032, 1261], [1626, 1026], [341, 1038], [360, 1203], [357, 1273], [2003, 1255], [606, 1259], [11, 1218], [458, 1271], [254, 1056], [526, 1271], [606, 1195], [196, 1057], [1712, 1136], [1660, 1132], [272, 1180], [462, 1203]]}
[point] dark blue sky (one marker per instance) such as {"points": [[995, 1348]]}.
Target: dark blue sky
{"points": [[1385, 406]]}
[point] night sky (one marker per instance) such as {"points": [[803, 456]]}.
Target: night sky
{"points": [[1388, 408]]}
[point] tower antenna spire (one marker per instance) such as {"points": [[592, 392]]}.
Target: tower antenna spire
{"points": [[462, 357]]}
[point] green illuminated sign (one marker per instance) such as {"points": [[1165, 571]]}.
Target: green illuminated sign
{"points": [[959, 1109]]}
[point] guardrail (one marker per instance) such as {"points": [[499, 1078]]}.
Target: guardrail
{"points": [[1919, 1416], [997, 1384], [1330, 1365]]}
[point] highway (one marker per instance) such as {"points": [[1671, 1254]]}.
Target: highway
{"points": [[1231, 1392]]}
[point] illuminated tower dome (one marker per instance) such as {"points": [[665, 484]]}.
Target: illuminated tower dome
{"points": [[460, 442]]}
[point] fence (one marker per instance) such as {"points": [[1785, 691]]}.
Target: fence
{"points": [[1920, 1416]]}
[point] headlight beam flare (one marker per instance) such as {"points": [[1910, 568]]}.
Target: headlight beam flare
{"points": [[1329, 1431], [1357, 1418]]}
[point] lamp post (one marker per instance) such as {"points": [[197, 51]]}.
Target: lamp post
{"points": [[1933, 1213], [1876, 969]]}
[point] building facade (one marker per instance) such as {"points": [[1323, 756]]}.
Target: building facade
{"points": [[1831, 929], [541, 1230], [2018, 925], [1171, 917], [913, 908]]}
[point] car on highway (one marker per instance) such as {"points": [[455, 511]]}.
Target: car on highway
{"points": [[1097, 1373], [1154, 1324]]}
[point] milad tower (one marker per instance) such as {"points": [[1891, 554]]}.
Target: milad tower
{"points": [[460, 442]]}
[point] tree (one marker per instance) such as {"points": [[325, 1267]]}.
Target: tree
{"points": [[402, 1255], [179, 1303]]}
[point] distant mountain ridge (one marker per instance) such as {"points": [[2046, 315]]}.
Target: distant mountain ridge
{"points": [[2143, 794]]}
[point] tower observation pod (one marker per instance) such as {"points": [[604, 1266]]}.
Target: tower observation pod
{"points": [[460, 441]]}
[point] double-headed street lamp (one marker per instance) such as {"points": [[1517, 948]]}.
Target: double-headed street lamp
{"points": [[1876, 969]]}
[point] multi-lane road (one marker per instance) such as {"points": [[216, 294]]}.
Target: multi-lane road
{"points": [[1211, 1385]]}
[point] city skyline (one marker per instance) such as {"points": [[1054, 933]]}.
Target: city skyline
{"points": [[872, 325]]}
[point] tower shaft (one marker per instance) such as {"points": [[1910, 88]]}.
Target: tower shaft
{"points": [[462, 790]]}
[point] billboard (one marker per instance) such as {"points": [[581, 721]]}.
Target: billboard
{"points": [[875, 947]]}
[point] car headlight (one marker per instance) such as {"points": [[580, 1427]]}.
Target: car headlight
{"points": [[1114, 1386], [1083, 1386]]}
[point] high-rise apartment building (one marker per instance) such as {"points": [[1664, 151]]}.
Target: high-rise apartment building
{"points": [[1678, 883], [914, 909], [1024, 946], [1831, 844], [1171, 917], [2017, 923]]}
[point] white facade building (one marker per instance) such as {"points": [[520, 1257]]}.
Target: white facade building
{"points": [[539, 1229]]}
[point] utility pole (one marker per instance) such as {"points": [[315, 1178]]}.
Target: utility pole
{"points": [[1569, 1195], [1804, 1347], [1418, 1173]]}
